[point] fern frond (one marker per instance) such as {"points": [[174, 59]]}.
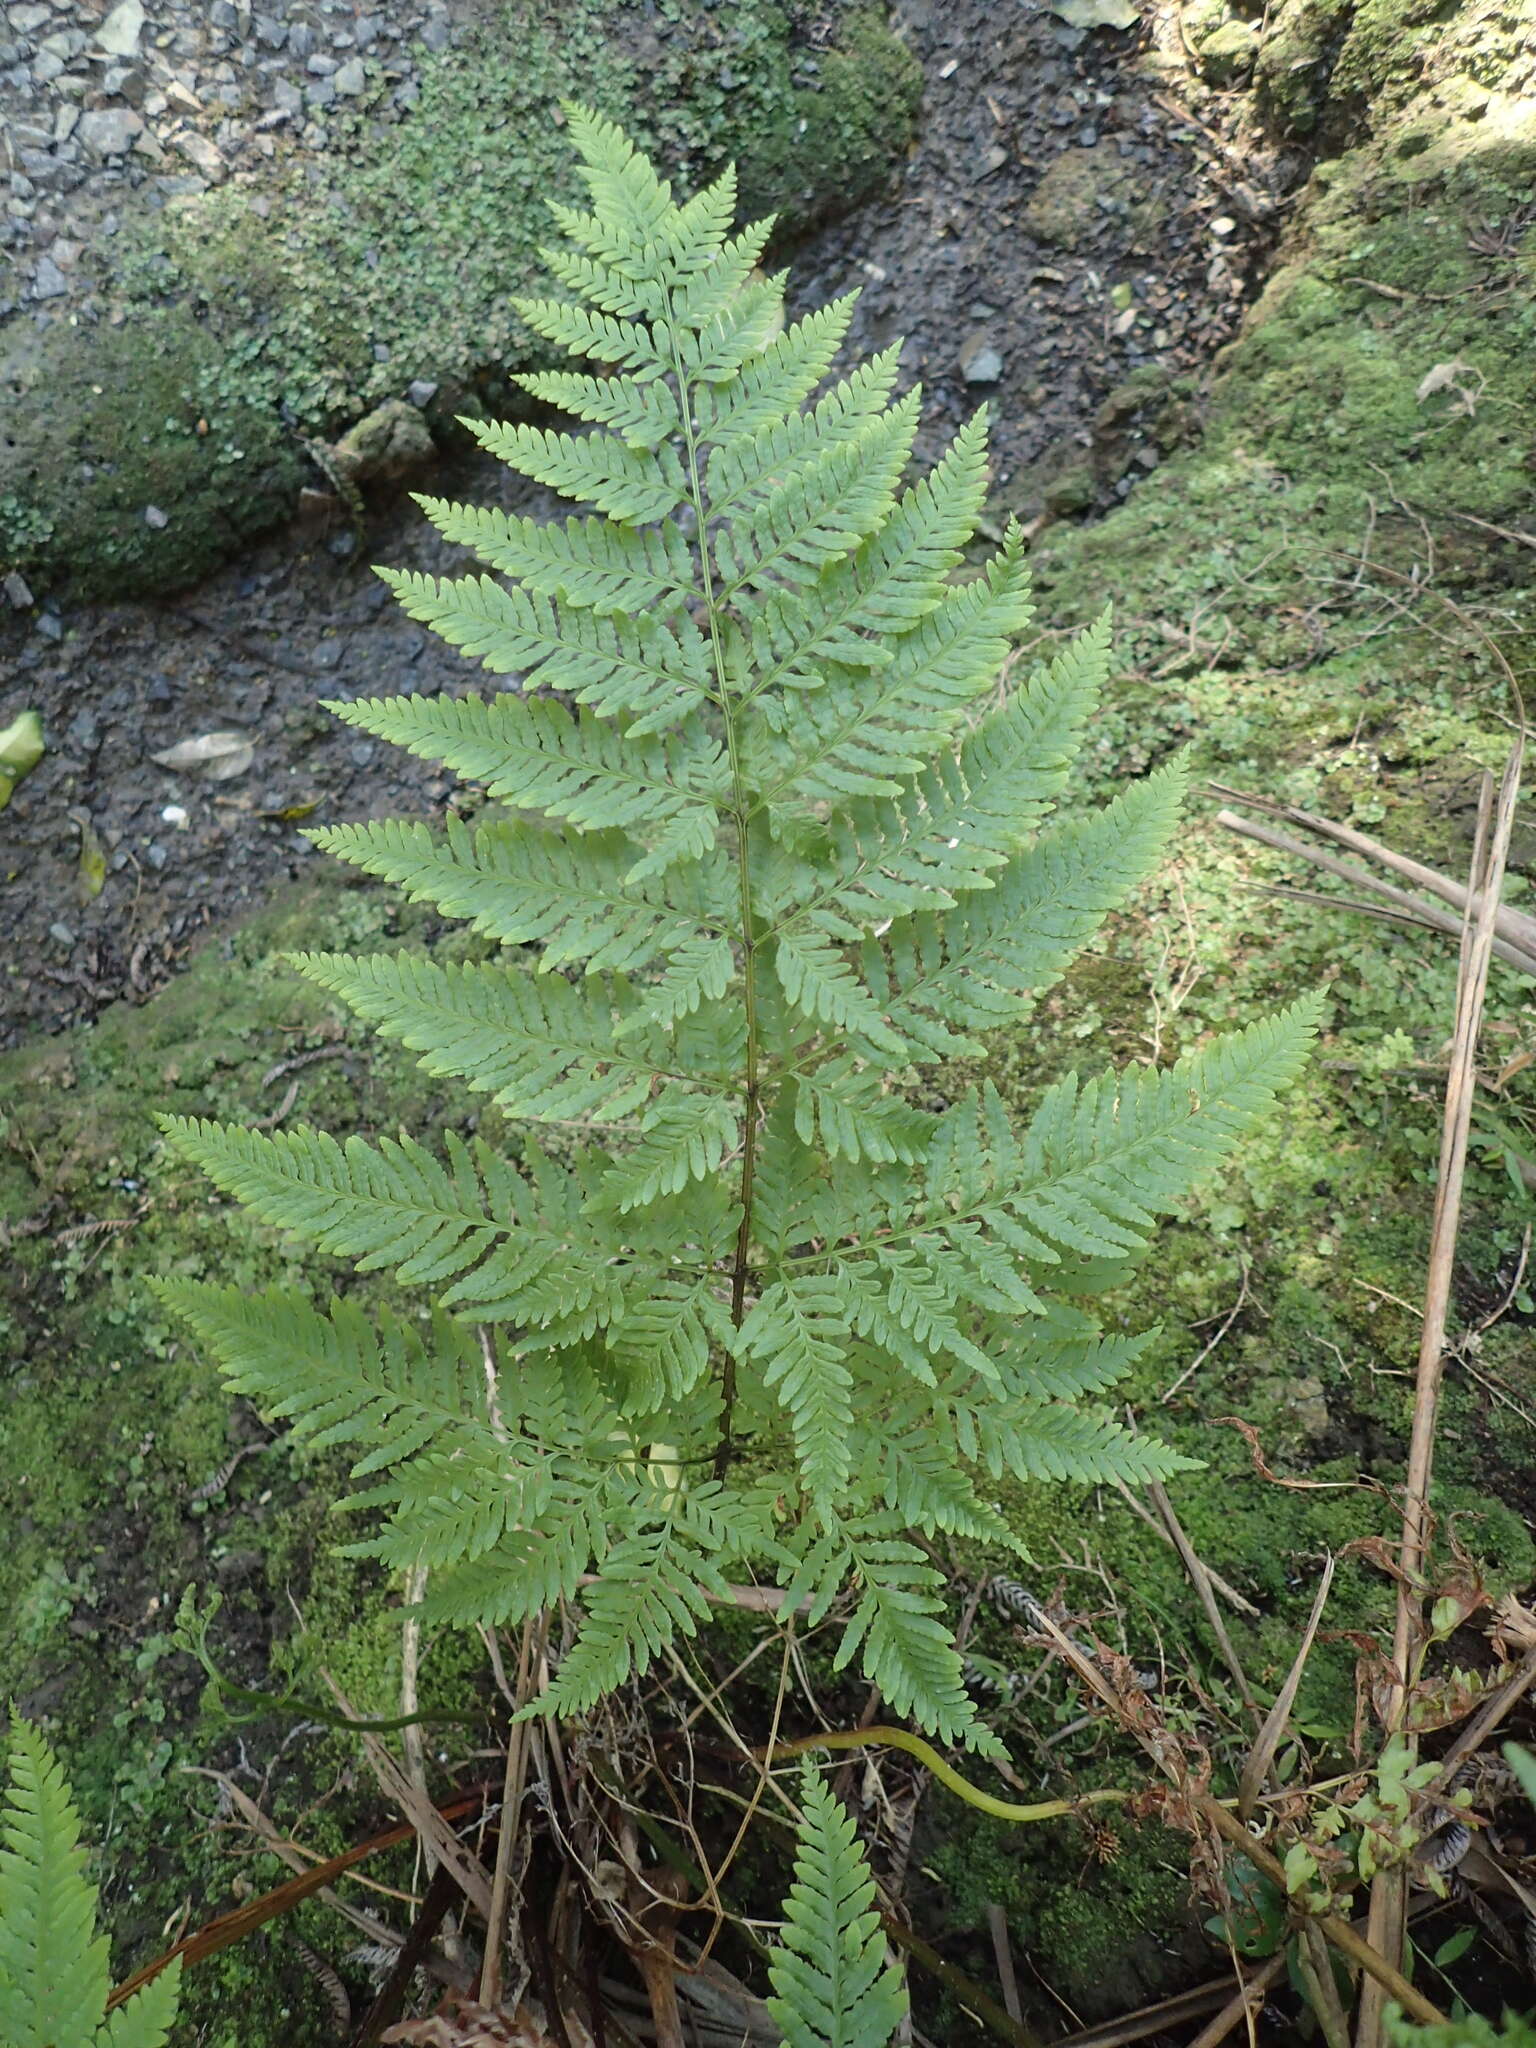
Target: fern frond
{"points": [[843, 1106], [906, 1649], [597, 469], [864, 736], [390, 1205], [53, 1964], [583, 561], [833, 1987], [593, 772], [780, 830], [700, 969], [145, 2021], [526, 887], [749, 466], [655, 673], [1099, 1162], [820, 983], [938, 982], [1049, 1440], [820, 512], [539, 1047], [644, 415], [785, 373], [964, 817], [337, 1376], [660, 1345], [683, 1137], [858, 606], [649, 1589], [798, 1332]]}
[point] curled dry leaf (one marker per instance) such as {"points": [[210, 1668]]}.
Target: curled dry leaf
{"points": [[216, 756], [463, 2024]]}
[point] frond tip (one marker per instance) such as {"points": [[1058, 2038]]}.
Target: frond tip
{"points": [[833, 1987], [53, 1965]]}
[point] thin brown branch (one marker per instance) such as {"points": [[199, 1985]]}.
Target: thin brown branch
{"points": [[1200, 1579], [1256, 1769], [1239, 2007]]}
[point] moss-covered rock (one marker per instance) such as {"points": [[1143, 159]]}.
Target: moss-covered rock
{"points": [[1066, 204], [252, 319]]}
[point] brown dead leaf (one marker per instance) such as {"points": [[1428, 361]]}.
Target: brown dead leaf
{"points": [[461, 2023]]}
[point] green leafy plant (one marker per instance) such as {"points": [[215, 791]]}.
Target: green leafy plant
{"points": [[784, 839], [833, 1987], [53, 1966]]}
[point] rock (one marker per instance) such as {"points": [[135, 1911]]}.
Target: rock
{"points": [[110, 131], [351, 79], [981, 365], [320, 65], [1072, 491], [390, 442], [119, 33], [1066, 204], [421, 393], [271, 34], [301, 40], [48, 281], [1227, 56], [437, 32], [29, 17], [64, 120], [198, 150], [18, 592], [154, 517]]}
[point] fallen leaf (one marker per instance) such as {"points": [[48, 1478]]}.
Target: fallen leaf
{"points": [[21, 748], [216, 756], [1097, 13], [93, 860]]}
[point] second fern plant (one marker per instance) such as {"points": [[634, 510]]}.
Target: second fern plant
{"points": [[781, 839]]}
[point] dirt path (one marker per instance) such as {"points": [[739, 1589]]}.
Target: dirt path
{"points": [[1053, 233]]}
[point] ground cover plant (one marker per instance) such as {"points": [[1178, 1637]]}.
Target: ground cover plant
{"points": [[750, 1309]]}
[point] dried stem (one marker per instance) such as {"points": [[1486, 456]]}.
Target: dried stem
{"points": [[1389, 1890]]}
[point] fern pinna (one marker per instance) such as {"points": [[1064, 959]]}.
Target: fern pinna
{"points": [[783, 838]]}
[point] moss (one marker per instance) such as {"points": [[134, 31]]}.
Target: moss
{"points": [[108, 429], [831, 145], [252, 319], [117, 1434]]}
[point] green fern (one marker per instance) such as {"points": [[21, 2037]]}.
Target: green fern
{"points": [[832, 1985], [53, 1965], [763, 834]]}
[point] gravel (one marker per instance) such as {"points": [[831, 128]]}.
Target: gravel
{"points": [[110, 106]]}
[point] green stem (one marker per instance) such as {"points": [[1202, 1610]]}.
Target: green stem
{"points": [[945, 1772], [739, 812]]}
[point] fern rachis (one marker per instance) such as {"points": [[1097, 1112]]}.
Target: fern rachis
{"points": [[778, 841]]}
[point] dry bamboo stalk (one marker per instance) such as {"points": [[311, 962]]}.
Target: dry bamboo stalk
{"points": [[1387, 1922], [1514, 955], [1515, 926]]}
